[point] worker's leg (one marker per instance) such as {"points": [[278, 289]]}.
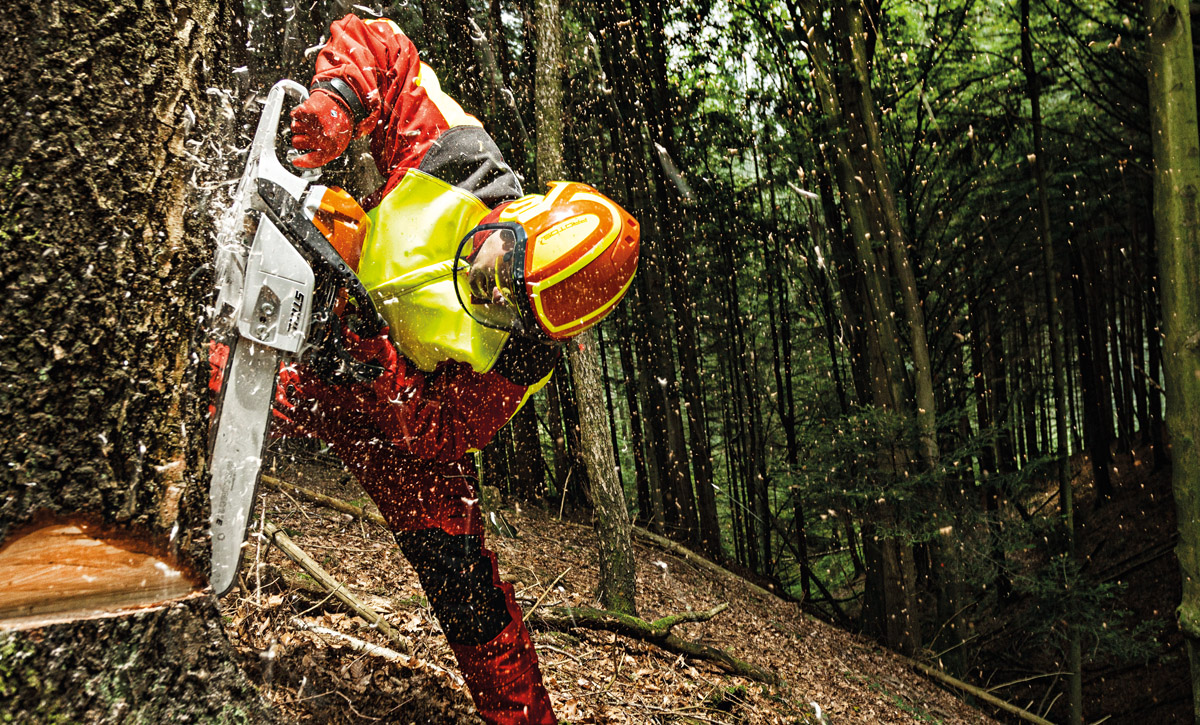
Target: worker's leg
{"points": [[435, 510], [482, 622]]}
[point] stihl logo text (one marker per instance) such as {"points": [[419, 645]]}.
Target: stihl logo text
{"points": [[297, 310]]}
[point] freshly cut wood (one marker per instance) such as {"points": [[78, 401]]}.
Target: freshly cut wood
{"points": [[657, 633], [67, 571], [276, 536]]}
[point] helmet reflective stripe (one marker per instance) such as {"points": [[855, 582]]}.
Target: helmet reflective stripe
{"points": [[582, 321], [558, 250], [523, 210], [579, 260]]}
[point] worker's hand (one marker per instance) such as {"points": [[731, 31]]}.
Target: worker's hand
{"points": [[378, 348], [321, 126], [394, 375]]}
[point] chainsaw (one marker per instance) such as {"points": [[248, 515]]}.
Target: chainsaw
{"points": [[281, 275]]}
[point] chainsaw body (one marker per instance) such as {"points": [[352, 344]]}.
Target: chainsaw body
{"points": [[279, 278]]}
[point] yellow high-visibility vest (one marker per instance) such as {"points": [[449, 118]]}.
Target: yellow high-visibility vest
{"points": [[407, 266]]}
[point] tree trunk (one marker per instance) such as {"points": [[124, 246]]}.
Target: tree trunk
{"points": [[1154, 334], [1097, 428], [103, 396], [1177, 229], [890, 608], [606, 381], [1058, 358], [618, 588], [649, 502], [527, 468]]}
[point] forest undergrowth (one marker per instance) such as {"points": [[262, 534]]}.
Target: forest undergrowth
{"points": [[592, 676], [1126, 546]]}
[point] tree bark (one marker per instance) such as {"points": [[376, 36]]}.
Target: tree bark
{"points": [[890, 607], [1066, 497], [102, 227], [618, 588], [1174, 130], [527, 472]]}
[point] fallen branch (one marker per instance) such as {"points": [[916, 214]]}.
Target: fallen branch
{"points": [[339, 590], [359, 645], [982, 694], [326, 501], [657, 633], [693, 558]]}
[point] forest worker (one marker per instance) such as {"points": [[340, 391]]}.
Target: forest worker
{"points": [[463, 350]]}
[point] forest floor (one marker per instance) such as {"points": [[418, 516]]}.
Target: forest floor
{"points": [[1128, 542], [592, 677]]}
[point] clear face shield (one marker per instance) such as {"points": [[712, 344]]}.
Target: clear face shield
{"points": [[489, 281]]}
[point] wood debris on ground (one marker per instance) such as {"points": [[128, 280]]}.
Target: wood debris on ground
{"points": [[275, 615]]}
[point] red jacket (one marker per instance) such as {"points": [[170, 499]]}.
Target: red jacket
{"points": [[412, 122], [407, 435]]}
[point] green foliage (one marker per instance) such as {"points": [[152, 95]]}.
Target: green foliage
{"points": [[1063, 599], [851, 462]]}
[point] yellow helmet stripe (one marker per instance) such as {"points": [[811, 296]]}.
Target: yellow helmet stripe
{"points": [[596, 250]]}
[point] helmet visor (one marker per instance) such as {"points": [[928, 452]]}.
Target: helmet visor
{"points": [[485, 281]]}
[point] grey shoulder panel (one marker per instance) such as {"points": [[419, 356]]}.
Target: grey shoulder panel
{"points": [[467, 157]]}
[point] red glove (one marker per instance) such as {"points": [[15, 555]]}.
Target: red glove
{"points": [[370, 349], [379, 350], [322, 125]]}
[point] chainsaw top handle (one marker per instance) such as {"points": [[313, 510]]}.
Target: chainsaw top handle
{"points": [[263, 158]]}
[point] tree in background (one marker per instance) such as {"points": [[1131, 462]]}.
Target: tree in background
{"points": [[618, 585]]}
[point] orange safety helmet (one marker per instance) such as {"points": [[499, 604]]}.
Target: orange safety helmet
{"points": [[579, 250]]}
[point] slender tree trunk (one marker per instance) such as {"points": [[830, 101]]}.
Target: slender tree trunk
{"points": [[495, 457], [650, 511], [103, 398], [1096, 429], [618, 588], [608, 403], [527, 471], [1154, 370], [1057, 355], [891, 609], [1174, 133], [557, 429]]}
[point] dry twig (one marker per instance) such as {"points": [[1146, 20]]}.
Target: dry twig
{"points": [[326, 501], [339, 590], [359, 645]]}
